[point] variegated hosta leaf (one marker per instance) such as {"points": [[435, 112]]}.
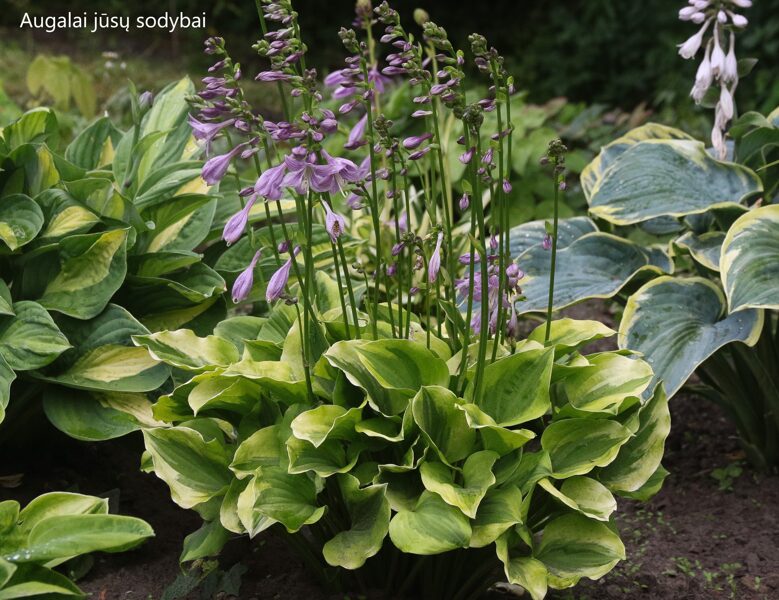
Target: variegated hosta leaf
{"points": [[583, 494], [94, 146], [91, 268], [20, 220], [498, 511], [596, 265], [477, 478], [103, 356], [432, 527], [704, 248], [34, 126], [531, 234], [574, 546], [593, 172], [195, 283], [32, 169], [369, 511], [655, 178], [185, 350], [181, 223], [435, 411], [750, 260], [6, 378], [567, 335], [577, 446], [30, 339], [194, 466], [63, 214], [284, 497], [678, 323]]}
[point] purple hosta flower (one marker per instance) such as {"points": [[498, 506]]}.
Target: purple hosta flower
{"points": [[216, 167], [466, 156], [403, 221], [284, 246], [563, 186], [278, 280], [435, 260], [493, 242], [378, 80], [328, 124], [237, 223], [421, 113], [546, 244], [341, 170], [334, 223], [392, 270], [513, 275], [272, 76], [145, 100], [354, 202], [269, 183], [487, 158], [507, 186], [244, 282], [410, 143], [419, 153], [357, 134], [207, 131], [304, 174], [398, 248], [465, 201]]}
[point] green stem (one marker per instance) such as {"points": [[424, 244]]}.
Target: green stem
{"points": [[349, 287], [554, 256]]}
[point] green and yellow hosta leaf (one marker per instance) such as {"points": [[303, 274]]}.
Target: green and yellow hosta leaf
{"points": [[515, 388], [577, 446], [570, 334], [6, 571], [655, 178], [103, 356], [477, 478], [678, 323], [605, 383], [390, 371], [324, 422], [583, 494], [196, 470], [91, 269], [750, 260], [36, 581], [34, 170], [435, 411], [20, 220], [34, 126], [640, 457], [94, 146], [185, 350], [264, 448], [179, 224], [57, 504], [596, 265], [494, 437], [30, 339], [286, 498], [525, 571], [369, 513], [63, 214], [432, 527], [327, 459], [498, 511], [704, 248], [206, 541], [574, 546], [6, 378], [83, 416]]}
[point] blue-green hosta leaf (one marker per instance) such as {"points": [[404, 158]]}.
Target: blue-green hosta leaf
{"points": [[20, 220], [91, 269], [103, 356], [196, 470], [36, 581], [477, 478], [704, 248], [63, 214], [593, 172], [390, 371], [596, 265], [574, 546], [369, 512], [655, 178], [585, 495], [94, 146], [498, 511], [444, 426], [515, 388], [432, 527], [30, 339], [183, 349], [577, 446], [605, 383], [750, 260], [678, 323], [531, 234], [640, 457]]}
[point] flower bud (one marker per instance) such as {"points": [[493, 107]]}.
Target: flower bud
{"points": [[421, 16]]}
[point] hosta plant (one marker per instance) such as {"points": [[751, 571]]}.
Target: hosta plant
{"points": [[97, 243], [43, 544]]}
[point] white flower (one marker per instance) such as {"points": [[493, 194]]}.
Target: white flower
{"points": [[703, 79], [717, 57], [686, 13], [726, 102], [700, 4], [742, 3], [689, 48], [730, 70], [698, 18], [718, 141], [739, 20], [722, 17]]}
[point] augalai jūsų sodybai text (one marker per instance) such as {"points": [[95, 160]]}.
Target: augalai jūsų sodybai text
{"points": [[98, 21]]}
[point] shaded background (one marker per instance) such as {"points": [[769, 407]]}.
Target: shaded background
{"points": [[616, 52]]}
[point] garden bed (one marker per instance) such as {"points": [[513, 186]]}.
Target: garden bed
{"points": [[692, 541]]}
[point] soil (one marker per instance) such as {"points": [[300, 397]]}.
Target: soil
{"points": [[700, 538]]}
